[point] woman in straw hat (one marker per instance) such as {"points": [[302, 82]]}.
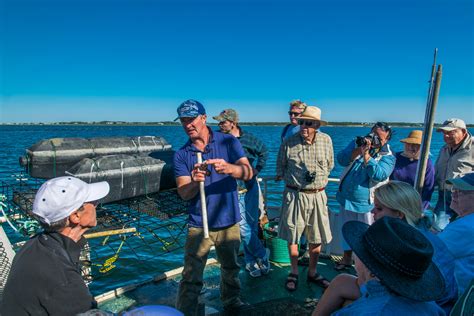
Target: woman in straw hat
{"points": [[407, 162], [398, 200]]}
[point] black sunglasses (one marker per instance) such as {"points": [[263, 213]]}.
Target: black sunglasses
{"points": [[290, 113], [307, 123]]}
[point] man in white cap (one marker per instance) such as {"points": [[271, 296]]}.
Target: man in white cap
{"points": [[304, 163], [45, 277], [455, 159]]}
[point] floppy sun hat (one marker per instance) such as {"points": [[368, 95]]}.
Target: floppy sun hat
{"points": [[413, 138], [312, 113], [58, 198], [399, 255]]}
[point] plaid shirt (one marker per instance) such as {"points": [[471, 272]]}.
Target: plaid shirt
{"points": [[296, 159]]}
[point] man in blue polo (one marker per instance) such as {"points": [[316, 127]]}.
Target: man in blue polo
{"points": [[223, 161]]}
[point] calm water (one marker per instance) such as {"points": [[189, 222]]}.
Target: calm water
{"points": [[15, 139]]}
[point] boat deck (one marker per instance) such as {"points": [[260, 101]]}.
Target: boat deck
{"points": [[266, 294]]}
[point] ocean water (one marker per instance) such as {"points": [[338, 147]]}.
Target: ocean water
{"points": [[127, 269]]}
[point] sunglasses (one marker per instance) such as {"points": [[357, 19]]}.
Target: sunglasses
{"points": [[290, 113], [307, 123]]}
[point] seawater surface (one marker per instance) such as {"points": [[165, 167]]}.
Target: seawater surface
{"points": [[15, 139]]}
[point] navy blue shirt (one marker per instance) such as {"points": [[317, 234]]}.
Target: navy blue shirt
{"points": [[221, 190]]}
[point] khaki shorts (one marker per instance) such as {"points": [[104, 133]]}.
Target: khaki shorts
{"points": [[304, 213]]}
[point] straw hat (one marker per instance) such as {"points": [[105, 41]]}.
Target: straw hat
{"points": [[413, 138], [312, 113]]}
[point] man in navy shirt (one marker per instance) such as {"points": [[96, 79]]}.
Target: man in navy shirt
{"points": [[224, 161]]}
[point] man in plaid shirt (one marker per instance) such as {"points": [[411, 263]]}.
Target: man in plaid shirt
{"points": [[256, 256], [304, 163]]}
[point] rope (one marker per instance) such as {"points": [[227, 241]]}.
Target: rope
{"points": [[109, 263], [54, 158], [121, 170], [2, 206]]}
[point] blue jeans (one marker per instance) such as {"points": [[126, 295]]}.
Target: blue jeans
{"points": [[249, 212]]}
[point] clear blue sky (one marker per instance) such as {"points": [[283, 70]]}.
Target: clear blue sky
{"points": [[136, 60]]}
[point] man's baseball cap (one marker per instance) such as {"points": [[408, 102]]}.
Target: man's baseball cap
{"points": [[464, 183], [190, 108], [58, 198], [451, 124], [227, 115]]}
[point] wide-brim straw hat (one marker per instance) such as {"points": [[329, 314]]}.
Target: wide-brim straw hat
{"points": [[312, 113], [399, 255], [414, 137]]}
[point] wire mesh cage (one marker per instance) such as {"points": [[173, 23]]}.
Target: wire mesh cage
{"points": [[129, 232]]}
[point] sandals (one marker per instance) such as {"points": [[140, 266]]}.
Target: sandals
{"points": [[319, 280], [291, 279], [341, 266]]}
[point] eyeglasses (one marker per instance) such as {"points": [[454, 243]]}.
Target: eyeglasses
{"points": [[291, 113], [307, 123]]}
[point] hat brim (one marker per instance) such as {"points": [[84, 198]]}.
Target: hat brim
{"points": [[219, 118], [97, 191], [409, 140], [309, 118], [446, 128], [429, 287], [460, 184]]}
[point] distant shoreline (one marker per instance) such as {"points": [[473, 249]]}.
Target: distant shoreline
{"points": [[169, 123]]}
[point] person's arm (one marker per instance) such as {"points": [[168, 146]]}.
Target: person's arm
{"points": [[262, 154], [380, 170], [345, 156], [240, 170], [428, 186], [342, 288], [188, 186], [281, 162], [330, 156]]}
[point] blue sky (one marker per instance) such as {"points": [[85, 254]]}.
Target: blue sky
{"points": [[136, 60]]}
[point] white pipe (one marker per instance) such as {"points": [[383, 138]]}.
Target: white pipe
{"points": [[203, 201]]}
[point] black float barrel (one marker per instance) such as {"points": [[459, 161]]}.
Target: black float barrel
{"points": [[51, 158], [128, 176]]}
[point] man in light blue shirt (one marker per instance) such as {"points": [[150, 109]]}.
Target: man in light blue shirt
{"points": [[459, 234]]}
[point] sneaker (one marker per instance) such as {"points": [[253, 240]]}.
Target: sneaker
{"points": [[264, 263], [253, 269]]}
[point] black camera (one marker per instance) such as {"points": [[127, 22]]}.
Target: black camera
{"points": [[374, 139], [310, 176]]}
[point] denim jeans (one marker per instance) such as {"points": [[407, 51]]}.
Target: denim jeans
{"points": [[249, 211], [227, 242]]}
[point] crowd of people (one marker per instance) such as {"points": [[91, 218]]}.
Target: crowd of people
{"points": [[405, 262]]}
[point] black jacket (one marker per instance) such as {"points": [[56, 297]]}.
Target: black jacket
{"points": [[45, 279]]}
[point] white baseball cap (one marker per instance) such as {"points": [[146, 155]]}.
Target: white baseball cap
{"points": [[451, 124], [58, 198]]}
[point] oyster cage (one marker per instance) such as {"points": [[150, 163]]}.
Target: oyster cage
{"points": [[130, 234]]}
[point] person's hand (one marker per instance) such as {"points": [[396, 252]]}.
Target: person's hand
{"points": [[364, 150], [221, 166], [199, 172]]}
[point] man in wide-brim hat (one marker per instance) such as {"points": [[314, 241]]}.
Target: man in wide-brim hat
{"points": [[394, 265], [304, 163]]}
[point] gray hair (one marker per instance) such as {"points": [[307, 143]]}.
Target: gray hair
{"points": [[402, 197], [57, 225]]}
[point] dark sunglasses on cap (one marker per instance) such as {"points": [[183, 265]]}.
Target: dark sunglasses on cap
{"points": [[307, 123], [291, 113]]}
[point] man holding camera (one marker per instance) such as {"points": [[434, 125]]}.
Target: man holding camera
{"points": [[304, 163], [368, 163]]}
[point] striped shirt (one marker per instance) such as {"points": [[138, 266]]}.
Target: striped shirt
{"points": [[296, 158]]}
